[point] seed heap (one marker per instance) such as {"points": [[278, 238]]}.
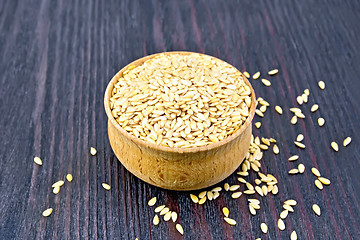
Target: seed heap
{"points": [[181, 100]]}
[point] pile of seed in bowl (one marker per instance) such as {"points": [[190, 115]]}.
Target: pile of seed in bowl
{"points": [[181, 101]]}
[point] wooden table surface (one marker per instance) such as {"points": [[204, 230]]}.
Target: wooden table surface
{"points": [[56, 58]]}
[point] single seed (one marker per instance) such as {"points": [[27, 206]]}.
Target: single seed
{"points": [[293, 171], [249, 186], [324, 181], [347, 141], [202, 200], [264, 190], [257, 181], [217, 189], [279, 110], [58, 183], [255, 206], [226, 187], [288, 207], [152, 201], [299, 100], [321, 85], [47, 212], [256, 75], [194, 198], [316, 209], [246, 74], [293, 235], [174, 216], [236, 195], [299, 115], [202, 194], [249, 192], [273, 72], [284, 214], [300, 145], [93, 151], [294, 110], [307, 92], [216, 195], [290, 202], [230, 221], [258, 124], [164, 211], [276, 149], [281, 224], [156, 220], [259, 190], [240, 179], [210, 195], [321, 122], [244, 174], [106, 186], [167, 216], [300, 137], [225, 211], [254, 201], [263, 109], [234, 187], [266, 141], [252, 210], [275, 190], [335, 146], [259, 113], [318, 184], [293, 120], [38, 161], [315, 172], [314, 108], [69, 177], [301, 168], [264, 228], [56, 189], [304, 97], [266, 82], [159, 208], [180, 229], [293, 158]]}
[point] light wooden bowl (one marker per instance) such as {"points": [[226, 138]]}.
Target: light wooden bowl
{"points": [[178, 168]]}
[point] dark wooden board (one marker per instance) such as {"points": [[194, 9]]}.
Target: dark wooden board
{"points": [[56, 58]]}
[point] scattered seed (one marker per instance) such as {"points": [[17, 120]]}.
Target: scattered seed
{"points": [[301, 168], [284, 214], [279, 110], [202, 200], [246, 74], [258, 124], [69, 177], [300, 137], [321, 122], [93, 151], [159, 208], [321, 85], [299, 100], [256, 75], [234, 187], [56, 189], [316, 209], [266, 82], [156, 220], [225, 211], [167, 216], [47, 212], [293, 120], [230, 221], [38, 161], [202, 194], [273, 72], [152, 201], [106, 186], [314, 108], [174, 216], [318, 184], [276, 149], [300, 145], [264, 228], [164, 211], [180, 229], [293, 171], [347, 141], [281, 224], [324, 181], [335, 146], [194, 198], [315, 172], [293, 235], [293, 158], [236, 195]]}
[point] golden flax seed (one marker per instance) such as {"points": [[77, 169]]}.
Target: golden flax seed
{"points": [[281, 224], [314, 108], [38, 161], [324, 181], [236, 195], [93, 151], [300, 145], [335, 146], [318, 184], [259, 190], [230, 221], [58, 183], [202, 194], [167, 216], [226, 211], [315, 172], [293, 158], [194, 198], [266, 82], [316, 209], [321, 85], [299, 100], [234, 187], [301, 168], [279, 110], [293, 171], [47, 212], [264, 228], [284, 214], [152, 201], [256, 75], [164, 211], [56, 189], [156, 220], [69, 177], [226, 187], [291, 202], [293, 120], [273, 72], [288, 207], [258, 124], [276, 149], [106, 186], [174, 216], [300, 137], [321, 121], [202, 200], [346, 141]]}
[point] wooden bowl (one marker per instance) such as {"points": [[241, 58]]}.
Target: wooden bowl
{"points": [[178, 168]]}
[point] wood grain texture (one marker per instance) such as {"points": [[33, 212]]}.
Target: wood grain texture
{"points": [[56, 58]]}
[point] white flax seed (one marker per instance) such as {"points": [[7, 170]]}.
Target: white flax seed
{"points": [[300, 137], [284, 214], [293, 171], [246, 74], [300, 145], [167, 216], [236, 195], [276, 149], [225, 211], [106, 186], [174, 216], [93, 151], [202, 194], [266, 82], [293, 120], [159, 208]]}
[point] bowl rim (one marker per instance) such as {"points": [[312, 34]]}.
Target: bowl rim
{"points": [[141, 142]]}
